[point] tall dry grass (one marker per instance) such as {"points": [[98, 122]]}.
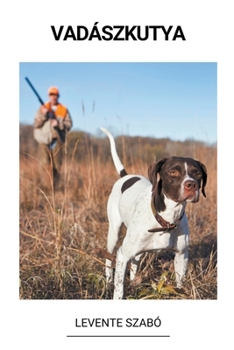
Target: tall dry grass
{"points": [[59, 231]]}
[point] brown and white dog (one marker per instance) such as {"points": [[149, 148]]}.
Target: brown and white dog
{"points": [[154, 213]]}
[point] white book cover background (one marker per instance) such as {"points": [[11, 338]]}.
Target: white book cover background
{"points": [[27, 37]]}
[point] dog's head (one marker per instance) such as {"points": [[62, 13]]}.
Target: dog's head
{"points": [[178, 178]]}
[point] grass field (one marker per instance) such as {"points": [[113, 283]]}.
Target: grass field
{"points": [[59, 231]]}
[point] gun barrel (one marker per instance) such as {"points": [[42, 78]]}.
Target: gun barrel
{"points": [[34, 90]]}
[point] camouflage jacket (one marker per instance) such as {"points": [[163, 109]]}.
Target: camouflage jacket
{"points": [[64, 122]]}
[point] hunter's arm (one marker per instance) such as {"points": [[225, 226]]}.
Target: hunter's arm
{"points": [[65, 123], [40, 119]]}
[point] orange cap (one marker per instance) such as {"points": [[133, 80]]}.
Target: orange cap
{"points": [[53, 90]]}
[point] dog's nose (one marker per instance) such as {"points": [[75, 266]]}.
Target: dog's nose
{"points": [[191, 185]]}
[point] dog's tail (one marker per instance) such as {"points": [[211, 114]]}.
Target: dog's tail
{"points": [[118, 165]]}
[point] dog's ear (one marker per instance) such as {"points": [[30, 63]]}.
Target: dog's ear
{"points": [[204, 177], [153, 172]]}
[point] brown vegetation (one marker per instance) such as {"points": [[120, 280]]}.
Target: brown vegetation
{"points": [[61, 232]]}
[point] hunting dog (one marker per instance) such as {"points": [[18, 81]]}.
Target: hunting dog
{"points": [[153, 212]]}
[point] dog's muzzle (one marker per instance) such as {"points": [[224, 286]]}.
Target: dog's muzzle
{"points": [[191, 191]]}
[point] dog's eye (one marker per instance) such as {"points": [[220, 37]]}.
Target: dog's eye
{"points": [[173, 173], [198, 174]]}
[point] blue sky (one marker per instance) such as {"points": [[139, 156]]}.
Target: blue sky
{"points": [[175, 100]]}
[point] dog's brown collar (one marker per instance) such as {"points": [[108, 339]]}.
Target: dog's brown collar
{"points": [[166, 226]]}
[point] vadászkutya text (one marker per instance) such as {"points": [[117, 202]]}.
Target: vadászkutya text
{"points": [[118, 33], [118, 322]]}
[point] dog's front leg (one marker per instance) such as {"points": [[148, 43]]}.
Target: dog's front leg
{"points": [[181, 263], [120, 270], [109, 271], [134, 266]]}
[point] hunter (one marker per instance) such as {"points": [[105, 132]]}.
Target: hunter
{"points": [[51, 123]]}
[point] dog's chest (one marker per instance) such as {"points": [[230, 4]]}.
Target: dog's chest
{"points": [[139, 237], [137, 215], [160, 241]]}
